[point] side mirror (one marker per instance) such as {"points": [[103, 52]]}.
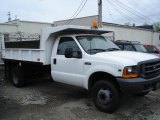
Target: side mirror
{"points": [[68, 53], [79, 54]]}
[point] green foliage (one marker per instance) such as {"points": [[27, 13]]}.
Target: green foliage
{"points": [[156, 26]]}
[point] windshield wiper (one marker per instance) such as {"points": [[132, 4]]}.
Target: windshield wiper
{"points": [[93, 51], [101, 50], [112, 49], [96, 50]]}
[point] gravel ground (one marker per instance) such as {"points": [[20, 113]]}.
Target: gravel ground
{"points": [[46, 100]]}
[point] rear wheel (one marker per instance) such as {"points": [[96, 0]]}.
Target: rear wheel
{"points": [[105, 96], [17, 76], [7, 71]]}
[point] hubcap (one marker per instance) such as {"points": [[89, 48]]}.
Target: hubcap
{"points": [[104, 96]]}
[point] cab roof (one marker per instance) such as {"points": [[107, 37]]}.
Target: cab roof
{"points": [[74, 29]]}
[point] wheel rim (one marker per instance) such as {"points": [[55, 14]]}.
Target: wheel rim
{"points": [[15, 77], [104, 96]]}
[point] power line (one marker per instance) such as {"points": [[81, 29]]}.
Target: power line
{"points": [[126, 13], [122, 7], [121, 13], [110, 13], [156, 16], [135, 12], [79, 9], [132, 12]]}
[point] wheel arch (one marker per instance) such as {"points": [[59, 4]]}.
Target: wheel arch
{"points": [[101, 75]]}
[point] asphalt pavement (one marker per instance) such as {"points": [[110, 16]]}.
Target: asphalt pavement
{"points": [[47, 100]]}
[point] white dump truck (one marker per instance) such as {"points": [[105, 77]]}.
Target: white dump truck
{"points": [[81, 56]]}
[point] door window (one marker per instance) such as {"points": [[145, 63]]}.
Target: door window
{"points": [[67, 42]]}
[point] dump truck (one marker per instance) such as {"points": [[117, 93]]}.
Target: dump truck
{"points": [[84, 57]]}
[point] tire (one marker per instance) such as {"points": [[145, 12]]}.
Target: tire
{"points": [[141, 94], [17, 77], [105, 96], [7, 71]]}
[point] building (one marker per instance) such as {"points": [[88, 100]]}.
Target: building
{"points": [[122, 32], [23, 26]]}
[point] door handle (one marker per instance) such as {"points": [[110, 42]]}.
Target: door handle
{"points": [[87, 63], [55, 61]]}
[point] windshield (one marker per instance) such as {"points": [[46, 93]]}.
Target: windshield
{"points": [[140, 48], [94, 44], [151, 49]]}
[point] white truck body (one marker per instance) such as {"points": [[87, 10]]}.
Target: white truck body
{"points": [[105, 72], [47, 39]]}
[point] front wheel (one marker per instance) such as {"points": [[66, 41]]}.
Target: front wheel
{"points": [[105, 96], [17, 77]]}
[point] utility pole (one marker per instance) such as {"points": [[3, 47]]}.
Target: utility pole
{"points": [[9, 16], [100, 13]]}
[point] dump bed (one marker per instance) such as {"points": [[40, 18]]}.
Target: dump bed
{"points": [[22, 47], [39, 49]]}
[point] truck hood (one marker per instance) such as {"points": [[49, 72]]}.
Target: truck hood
{"points": [[125, 57]]}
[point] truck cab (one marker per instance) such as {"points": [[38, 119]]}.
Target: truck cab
{"points": [[71, 55]]}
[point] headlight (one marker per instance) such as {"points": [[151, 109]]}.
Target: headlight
{"points": [[130, 72]]}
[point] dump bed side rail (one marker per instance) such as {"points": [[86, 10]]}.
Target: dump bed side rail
{"points": [[30, 55]]}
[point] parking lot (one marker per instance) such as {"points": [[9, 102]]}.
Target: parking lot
{"points": [[47, 100]]}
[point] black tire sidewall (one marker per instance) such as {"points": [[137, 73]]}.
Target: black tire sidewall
{"points": [[112, 106], [8, 69], [20, 76]]}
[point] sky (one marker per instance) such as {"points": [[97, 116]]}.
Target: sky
{"points": [[147, 11]]}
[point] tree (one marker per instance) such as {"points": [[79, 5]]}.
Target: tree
{"points": [[156, 26]]}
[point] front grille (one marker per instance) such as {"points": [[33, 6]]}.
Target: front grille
{"points": [[150, 69]]}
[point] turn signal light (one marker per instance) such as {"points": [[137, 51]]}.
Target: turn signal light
{"points": [[126, 74]]}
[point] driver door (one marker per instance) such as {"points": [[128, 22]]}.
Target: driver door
{"points": [[67, 70]]}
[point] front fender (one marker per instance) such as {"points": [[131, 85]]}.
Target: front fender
{"points": [[100, 68]]}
